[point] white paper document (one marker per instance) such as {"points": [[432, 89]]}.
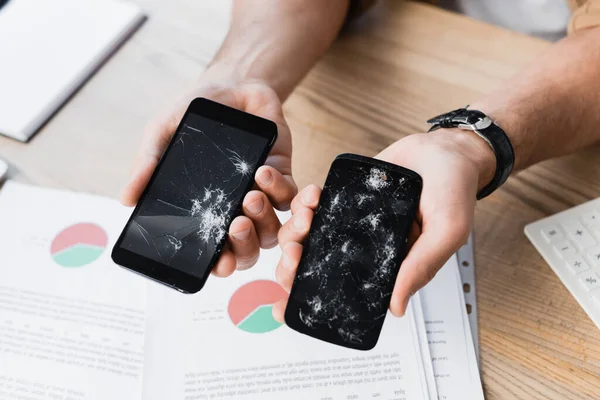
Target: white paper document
{"points": [[417, 307], [223, 343], [71, 322], [450, 341], [75, 326]]}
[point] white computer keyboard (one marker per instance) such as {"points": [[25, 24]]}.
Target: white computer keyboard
{"points": [[570, 243]]}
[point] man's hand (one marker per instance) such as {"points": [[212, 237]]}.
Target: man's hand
{"points": [[263, 57], [259, 225], [454, 165]]}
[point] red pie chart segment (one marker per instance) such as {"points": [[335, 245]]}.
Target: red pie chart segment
{"points": [[85, 233], [250, 306]]}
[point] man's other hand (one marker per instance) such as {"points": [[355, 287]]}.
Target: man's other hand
{"points": [[454, 165]]}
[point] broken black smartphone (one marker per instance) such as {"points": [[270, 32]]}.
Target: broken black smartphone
{"points": [[179, 226], [352, 255]]}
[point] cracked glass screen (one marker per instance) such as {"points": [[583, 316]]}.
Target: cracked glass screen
{"points": [[353, 252], [195, 194]]}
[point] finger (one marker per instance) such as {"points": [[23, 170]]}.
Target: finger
{"points": [[279, 189], [279, 310], [440, 239], [258, 208], [308, 197], [288, 265], [296, 228], [134, 188], [414, 234], [156, 139], [243, 242], [226, 264]]}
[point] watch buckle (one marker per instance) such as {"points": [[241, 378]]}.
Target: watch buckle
{"points": [[481, 124]]}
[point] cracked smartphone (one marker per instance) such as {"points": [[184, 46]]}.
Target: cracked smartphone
{"points": [[179, 226], [352, 255]]}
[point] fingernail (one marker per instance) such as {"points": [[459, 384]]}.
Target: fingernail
{"points": [[299, 223], [256, 206], [308, 198], [265, 177], [243, 235]]}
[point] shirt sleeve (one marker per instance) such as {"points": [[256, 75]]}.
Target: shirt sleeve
{"points": [[586, 14]]}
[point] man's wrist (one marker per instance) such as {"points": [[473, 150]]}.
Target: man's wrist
{"points": [[224, 70], [280, 46], [474, 148], [236, 72], [228, 73]]}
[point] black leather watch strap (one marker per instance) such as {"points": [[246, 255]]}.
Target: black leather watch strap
{"points": [[483, 126]]}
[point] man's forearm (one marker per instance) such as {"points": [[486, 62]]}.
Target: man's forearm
{"points": [[551, 108], [279, 41]]}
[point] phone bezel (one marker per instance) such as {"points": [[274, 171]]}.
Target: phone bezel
{"points": [[163, 273], [291, 320]]}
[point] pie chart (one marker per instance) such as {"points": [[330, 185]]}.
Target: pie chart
{"points": [[78, 245], [250, 307]]}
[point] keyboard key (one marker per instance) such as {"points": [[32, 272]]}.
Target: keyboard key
{"points": [[591, 218], [593, 255], [564, 249], [590, 280], [580, 235], [596, 231], [577, 264], [552, 233], [596, 297]]}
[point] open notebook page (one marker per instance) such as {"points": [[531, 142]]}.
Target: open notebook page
{"points": [[223, 343], [71, 322]]}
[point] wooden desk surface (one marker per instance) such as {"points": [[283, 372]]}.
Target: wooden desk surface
{"points": [[377, 84]]}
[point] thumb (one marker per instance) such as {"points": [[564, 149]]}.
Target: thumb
{"points": [[441, 237]]}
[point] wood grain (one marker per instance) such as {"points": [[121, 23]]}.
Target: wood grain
{"points": [[378, 83]]}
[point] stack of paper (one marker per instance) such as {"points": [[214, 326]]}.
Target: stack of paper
{"points": [[74, 325]]}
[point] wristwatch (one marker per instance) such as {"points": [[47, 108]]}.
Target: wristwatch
{"points": [[482, 125]]}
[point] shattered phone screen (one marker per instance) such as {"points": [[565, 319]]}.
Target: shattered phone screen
{"points": [[184, 215], [352, 255]]}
